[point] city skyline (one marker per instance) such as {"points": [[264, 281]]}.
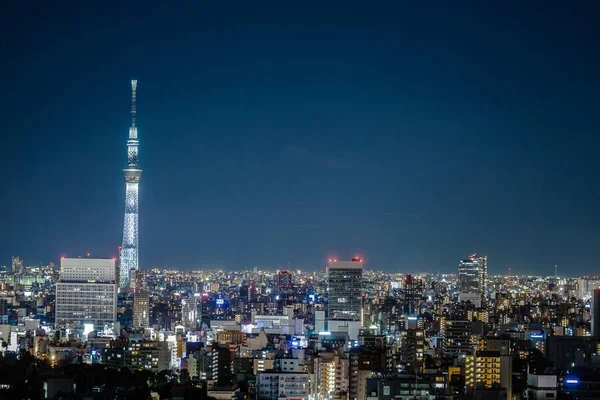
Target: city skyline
{"points": [[289, 160]]}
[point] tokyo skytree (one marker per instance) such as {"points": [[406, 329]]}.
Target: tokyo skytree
{"points": [[133, 173]]}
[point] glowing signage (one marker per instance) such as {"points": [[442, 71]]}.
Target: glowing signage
{"points": [[572, 381], [220, 301]]}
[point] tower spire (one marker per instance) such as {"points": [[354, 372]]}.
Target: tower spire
{"points": [[132, 174], [133, 89]]}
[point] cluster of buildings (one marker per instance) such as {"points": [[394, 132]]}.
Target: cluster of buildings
{"points": [[342, 333]]}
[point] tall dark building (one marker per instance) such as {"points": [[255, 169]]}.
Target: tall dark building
{"points": [[4, 311], [413, 293], [596, 312], [345, 290]]}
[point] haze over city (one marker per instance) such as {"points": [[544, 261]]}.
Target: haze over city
{"points": [[283, 135]]}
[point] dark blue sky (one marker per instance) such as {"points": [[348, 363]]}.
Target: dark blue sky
{"points": [[273, 133]]}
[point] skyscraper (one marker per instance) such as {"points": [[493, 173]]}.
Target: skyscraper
{"points": [[596, 312], [141, 300], [86, 292], [472, 274], [132, 174], [413, 294], [345, 290]]}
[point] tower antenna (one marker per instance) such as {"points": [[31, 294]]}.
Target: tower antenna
{"points": [[133, 90]]}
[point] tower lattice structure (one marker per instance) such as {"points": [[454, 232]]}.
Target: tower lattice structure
{"points": [[133, 174]]}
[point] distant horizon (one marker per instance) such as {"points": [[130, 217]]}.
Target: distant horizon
{"points": [[213, 267]]}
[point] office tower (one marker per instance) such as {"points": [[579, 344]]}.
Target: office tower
{"points": [[17, 265], [345, 290], [457, 338], [413, 294], [188, 313], [472, 274], [86, 292], [596, 312], [132, 174], [141, 300], [284, 280]]}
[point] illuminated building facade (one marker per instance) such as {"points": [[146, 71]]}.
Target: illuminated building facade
{"points": [[344, 280], [137, 355], [472, 274], [86, 292], [486, 369]]}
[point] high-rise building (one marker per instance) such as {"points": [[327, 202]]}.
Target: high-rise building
{"points": [[141, 300], [86, 292], [284, 280], [472, 274], [596, 312], [412, 349], [585, 287], [488, 368], [331, 370], [133, 174], [345, 290], [3, 311], [457, 338], [413, 294], [188, 312], [17, 265]]}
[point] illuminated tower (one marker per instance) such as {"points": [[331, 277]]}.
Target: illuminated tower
{"points": [[132, 174]]}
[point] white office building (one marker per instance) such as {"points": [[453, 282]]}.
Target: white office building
{"points": [[86, 292]]}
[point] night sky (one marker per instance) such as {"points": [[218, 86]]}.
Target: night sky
{"points": [[282, 133]]}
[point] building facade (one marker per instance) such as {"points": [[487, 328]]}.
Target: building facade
{"points": [[472, 274], [489, 369], [141, 300], [86, 292], [344, 280], [274, 385]]}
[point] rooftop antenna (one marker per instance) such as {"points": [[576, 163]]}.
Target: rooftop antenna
{"points": [[556, 271]]}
